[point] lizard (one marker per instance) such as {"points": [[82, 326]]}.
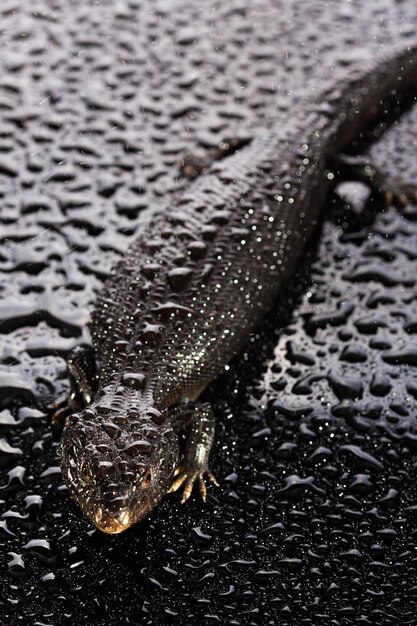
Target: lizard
{"points": [[192, 287]]}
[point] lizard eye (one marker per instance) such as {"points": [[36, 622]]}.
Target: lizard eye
{"points": [[85, 472], [146, 480]]}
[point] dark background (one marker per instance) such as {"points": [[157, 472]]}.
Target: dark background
{"points": [[315, 520]]}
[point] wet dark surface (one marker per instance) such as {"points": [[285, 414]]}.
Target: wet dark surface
{"points": [[315, 519]]}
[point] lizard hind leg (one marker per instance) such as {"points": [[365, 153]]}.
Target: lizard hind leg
{"points": [[194, 469], [393, 189]]}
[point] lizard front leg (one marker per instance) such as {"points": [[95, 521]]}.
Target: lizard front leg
{"points": [[200, 420], [82, 370], [193, 163]]}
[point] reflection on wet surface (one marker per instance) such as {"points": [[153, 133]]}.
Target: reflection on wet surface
{"points": [[315, 518]]}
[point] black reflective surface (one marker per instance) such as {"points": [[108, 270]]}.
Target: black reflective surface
{"points": [[315, 519]]}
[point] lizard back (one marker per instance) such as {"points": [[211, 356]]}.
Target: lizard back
{"points": [[204, 272]]}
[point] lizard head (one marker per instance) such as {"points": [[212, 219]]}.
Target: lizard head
{"points": [[117, 468]]}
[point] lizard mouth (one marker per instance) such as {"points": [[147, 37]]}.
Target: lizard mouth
{"points": [[110, 524]]}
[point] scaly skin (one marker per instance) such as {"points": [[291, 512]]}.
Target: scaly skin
{"points": [[190, 290]]}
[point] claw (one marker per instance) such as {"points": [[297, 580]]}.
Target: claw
{"points": [[188, 487], [60, 415], [177, 483], [389, 197], [398, 191], [202, 488], [190, 477]]}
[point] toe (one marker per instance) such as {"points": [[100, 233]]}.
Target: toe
{"points": [[190, 477], [177, 483], [211, 478], [188, 487], [202, 488], [178, 470], [403, 199], [389, 196]]}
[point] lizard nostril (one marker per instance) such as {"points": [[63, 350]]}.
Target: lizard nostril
{"points": [[98, 516]]}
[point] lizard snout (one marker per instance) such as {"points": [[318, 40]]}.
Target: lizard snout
{"points": [[111, 524]]}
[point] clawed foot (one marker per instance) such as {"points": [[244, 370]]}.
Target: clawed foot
{"points": [[399, 192], [394, 190], [184, 475], [60, 413], [192, 164]]}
